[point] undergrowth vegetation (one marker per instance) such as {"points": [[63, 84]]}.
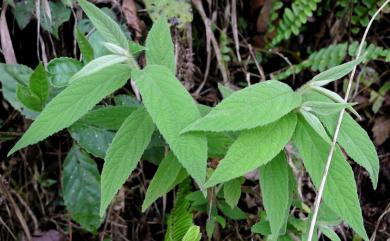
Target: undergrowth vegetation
{"points": [[132, 104]]}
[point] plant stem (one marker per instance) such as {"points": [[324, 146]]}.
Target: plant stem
{"points": [[336, 133]]}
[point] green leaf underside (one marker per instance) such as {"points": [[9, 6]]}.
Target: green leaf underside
{"points": [[352, 137], [97, 65], [169, 172], [108, 117], [106, 26], [159, 45], [124, 153], [254, 148], [337, 72], [256, 105], [316, 124], [72, 103], [340, 193], [81, 188], [328, 232], [232, 192], [274, 183], [172, 108]]}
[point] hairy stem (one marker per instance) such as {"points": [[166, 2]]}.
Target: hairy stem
{"points": [[336, 133]]}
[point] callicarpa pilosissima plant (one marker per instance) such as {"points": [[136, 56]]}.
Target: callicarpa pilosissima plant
{"points": [[249, 129]]}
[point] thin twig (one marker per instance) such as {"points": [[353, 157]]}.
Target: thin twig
{"points": [[198, 5], [336, 133], [234, 29]]}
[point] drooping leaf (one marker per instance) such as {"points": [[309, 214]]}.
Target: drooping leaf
{"points": [[316, 124], [28, 99], [336, 72], [84, 45], [159, 45], [232, 192], [328, 232], [93, 139], [73, 102], [81, 188], [97, 65], [192, 234], [256, 105], [106, 26], [356, 142], [274, 183], [325, 108], [62, 69], [254, 148], [352, 137], [172, 108], [168, 174], [124, 153], [340, 193], [109, 117], [39, 84]]}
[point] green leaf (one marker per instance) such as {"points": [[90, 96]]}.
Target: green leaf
{"points": [[356, 142], [159, 45], [353, 138], [218, 143], [84, 45], [39, 84], [97, 65], [340, 193], [193, 234], [233, 213], [254, 148], [106, 26], [124, 153], [10, 76], [232, 192], [81, 189], [262, 227], [59, 15], [325, 108], [62, 69], [168, 174], [274, 183], [27, 98], [336, 72], [172, 108], [109, 117], [256, 105], [225, 91], [334, 96], [328, 232], [93, 139], [73, 102], [316, 124]]}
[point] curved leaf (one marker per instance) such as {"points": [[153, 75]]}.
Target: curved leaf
{"points": [[124, 153], [256, 105], [254, 148], [73, 102]]}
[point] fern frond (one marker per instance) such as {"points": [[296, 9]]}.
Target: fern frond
{"points": [[334, 55], [293, 20]]}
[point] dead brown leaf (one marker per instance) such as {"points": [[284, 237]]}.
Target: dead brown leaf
{"points": [[130, 11], [381, 130], [5, 38]]}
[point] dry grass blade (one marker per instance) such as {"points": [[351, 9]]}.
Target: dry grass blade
{"points": [[6, 42]]}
